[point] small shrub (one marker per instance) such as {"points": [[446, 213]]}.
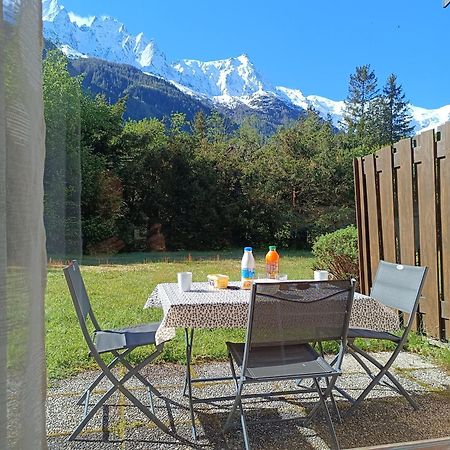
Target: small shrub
{"points": [[337, 252]]}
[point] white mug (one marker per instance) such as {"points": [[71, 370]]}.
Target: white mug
{"points": [[184, 281], [320, 275]]}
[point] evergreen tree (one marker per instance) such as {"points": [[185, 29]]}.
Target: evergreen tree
{"points": [[359, 113], [216, 127], [395, 116], [199, 126]]}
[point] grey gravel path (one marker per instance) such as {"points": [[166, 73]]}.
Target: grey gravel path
{"points": [[384, 418]]}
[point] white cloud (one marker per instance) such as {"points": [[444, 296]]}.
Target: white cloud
{"points": [[81, 20]]}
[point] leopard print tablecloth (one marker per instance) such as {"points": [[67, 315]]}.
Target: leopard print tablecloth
{"points": [[202, 307], [369, 313]]}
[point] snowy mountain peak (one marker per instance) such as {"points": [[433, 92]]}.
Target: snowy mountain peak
{"points": [[230, 82], [101, 37], [50, 9], [108, 23], [232, 77]]}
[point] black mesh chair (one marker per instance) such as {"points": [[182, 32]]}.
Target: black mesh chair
{"points": [[119, 343], [397, 286], [284, 318]]}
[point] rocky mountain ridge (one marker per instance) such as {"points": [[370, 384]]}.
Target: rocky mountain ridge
{"points": [[232, 84]]}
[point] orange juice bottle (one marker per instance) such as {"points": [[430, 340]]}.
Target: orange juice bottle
{"points": [[272, 262]]}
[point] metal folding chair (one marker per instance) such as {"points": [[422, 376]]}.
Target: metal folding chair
{"points": [[283, 319], [120, 343], [397, 286]]}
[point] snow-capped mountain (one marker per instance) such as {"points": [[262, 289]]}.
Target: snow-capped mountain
{"points": [[424, 119], [233, 77], [233, 83], [103, 38]]}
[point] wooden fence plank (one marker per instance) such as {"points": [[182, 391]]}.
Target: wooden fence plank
{"points": [[372, 214], [404, 170], [424, 158], [383, 161], [443, 155], [403, 166], [361, 222]]}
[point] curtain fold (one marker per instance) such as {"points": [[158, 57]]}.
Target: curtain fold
{"points": [[22, 238]]}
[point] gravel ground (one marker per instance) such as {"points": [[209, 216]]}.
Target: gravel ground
{"points": [[383, 418]]}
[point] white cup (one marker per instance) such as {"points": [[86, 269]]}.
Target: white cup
{"points": [[184, 281], [320, 275]]}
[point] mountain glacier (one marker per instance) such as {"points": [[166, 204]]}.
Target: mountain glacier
{"points": [[232, 82]]}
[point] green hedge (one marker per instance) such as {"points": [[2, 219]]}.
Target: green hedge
{"points": [[337, 252]]}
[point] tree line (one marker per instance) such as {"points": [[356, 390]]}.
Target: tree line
{"points": [[178, 184], [372, 117]]}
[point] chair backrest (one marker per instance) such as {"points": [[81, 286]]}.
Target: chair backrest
{"points": [[79, 295], [285, 313], [398, 285]]}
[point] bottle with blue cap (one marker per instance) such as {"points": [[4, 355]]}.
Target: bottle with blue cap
{"points": [[247, 268]]}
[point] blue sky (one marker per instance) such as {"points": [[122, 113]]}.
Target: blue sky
{"points": [[311, 45]]}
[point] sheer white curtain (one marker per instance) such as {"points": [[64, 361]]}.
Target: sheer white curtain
{"points": [[22, 240]]}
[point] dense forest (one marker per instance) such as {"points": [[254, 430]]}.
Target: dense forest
{"points": [[199, 184]]}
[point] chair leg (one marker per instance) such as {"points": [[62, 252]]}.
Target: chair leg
{"points": [[142, 379], [86, 403], [150, 388], [150, 399], [369, 372], [383, 370], [238, 403], [119, 357], [325, 394], [333, 402], [327, 413], [241, 409], [355, 355], [345, 394], [118, 385], [95, 383], [238, 388], [88, 415], [397, 386], [244, 428], [143, 408]]}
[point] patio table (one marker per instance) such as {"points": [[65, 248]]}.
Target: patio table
{"points": [[204, 307]]}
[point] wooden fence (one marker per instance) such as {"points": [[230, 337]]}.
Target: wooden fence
{"points": [[403, 215]]}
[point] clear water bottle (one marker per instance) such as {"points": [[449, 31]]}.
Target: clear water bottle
{"points": [[247, 268]]}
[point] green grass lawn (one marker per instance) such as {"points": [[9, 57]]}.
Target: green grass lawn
{"points": [[118, 292]]}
